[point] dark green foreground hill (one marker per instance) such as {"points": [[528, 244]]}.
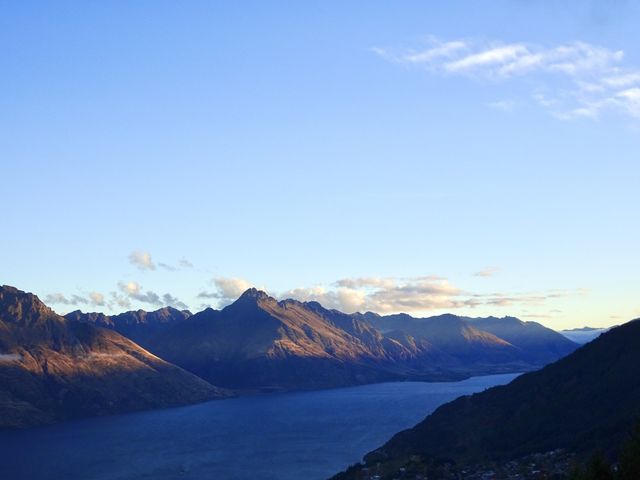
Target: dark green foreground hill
{"points": [[585, 402]]}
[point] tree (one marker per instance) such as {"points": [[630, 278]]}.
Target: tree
{"points": [[597, 469], [630, 457]]}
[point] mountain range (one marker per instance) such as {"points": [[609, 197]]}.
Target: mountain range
{"points": [[260, 343], [588, 401], [53, 368], [137, 325]]}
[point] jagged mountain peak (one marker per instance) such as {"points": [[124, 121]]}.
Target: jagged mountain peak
{"points": [[254, 293], [250, 300], [17, 306]]}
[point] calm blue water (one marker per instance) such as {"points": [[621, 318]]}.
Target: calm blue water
{"points": [[307, 435]]}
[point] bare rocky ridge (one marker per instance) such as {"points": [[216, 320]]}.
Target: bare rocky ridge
{"points": [[137, 325], [52, 368]]}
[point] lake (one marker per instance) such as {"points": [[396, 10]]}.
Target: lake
{"points": [[303, 435]]}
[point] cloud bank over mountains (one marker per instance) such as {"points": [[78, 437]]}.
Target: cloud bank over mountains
{"points": [[415, 294], [382, 295], [127, 293]]}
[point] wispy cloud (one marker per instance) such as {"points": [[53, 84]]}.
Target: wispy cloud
{"points": [[134, 291], [378, 294], [497, 60], [393, 294], [142, 260], [487, 272], [501, 299], [226, 289], [416, 294], [62, 299], [97, 299], [183, 263], [92, 298], [120, 301], [503, 105], [129, 292], [438, 51], [384, 294], [578, 79], [171, 301], [205, 294]]}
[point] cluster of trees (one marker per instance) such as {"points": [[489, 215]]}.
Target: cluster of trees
{"points": [[627, 468]]}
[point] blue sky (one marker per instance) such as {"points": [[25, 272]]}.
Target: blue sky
{"points": [[470, 156]]}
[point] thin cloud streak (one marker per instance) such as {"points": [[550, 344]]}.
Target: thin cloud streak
{"points": [[487, 272], [416, 294], [386, 295], [95, 299], [183, 263], [383, 295], [578, 79]]}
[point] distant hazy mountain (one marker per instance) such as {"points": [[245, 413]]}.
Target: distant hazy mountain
{"points": [[52, 368], [138, 325], [540, 344], [586, 401], [583, 335], [489, 339], [260, 343]]}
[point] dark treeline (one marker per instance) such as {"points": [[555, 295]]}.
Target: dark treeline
{"points": [[627, 467]]}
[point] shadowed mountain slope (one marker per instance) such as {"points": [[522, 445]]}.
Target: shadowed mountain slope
{"points": [[490, 339], [451, 334], [261, 343], [585, 401], [137, 325], [52, 368], [539, 343], [258, 342]]}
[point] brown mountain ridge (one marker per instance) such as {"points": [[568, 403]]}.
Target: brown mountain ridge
{"points": [[54, 369], [260, 343]]}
